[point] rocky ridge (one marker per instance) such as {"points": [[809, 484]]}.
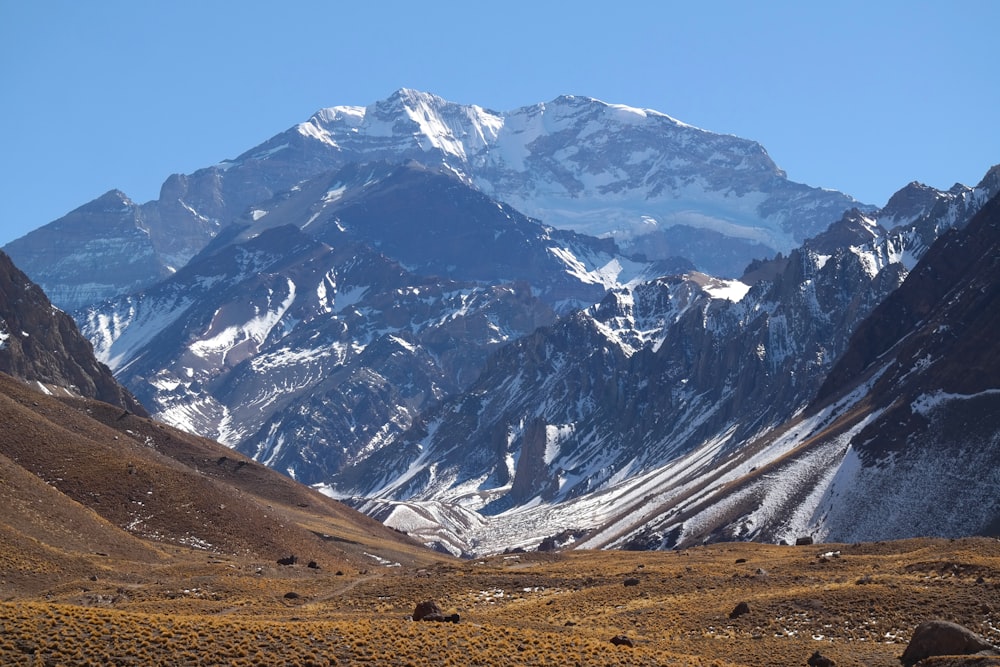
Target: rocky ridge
{"points": [[41, 345]]}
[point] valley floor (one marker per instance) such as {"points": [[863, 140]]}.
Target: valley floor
{"points": [[856, 604]]}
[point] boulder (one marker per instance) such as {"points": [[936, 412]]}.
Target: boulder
{"points": [[817, 659], [428, 610], [425, 609], [739, 610], [938, 637]]}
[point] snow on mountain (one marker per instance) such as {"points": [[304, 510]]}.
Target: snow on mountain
{"points": [[903, 437], [659, 396], [357, 303], [434, 223], [409, 118], [615, 390]]}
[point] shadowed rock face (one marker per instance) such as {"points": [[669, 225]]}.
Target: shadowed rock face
{"points": [[39, 343], [944, 638]]}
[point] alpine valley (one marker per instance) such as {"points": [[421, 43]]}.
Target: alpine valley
{"points": [[574, 324]]}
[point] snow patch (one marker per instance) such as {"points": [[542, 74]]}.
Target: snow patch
{"points": [[255, 330], [925, 404], [334, 194], [731, 290]]}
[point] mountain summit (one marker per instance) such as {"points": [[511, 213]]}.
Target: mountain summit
{"points": [[597, 168]]}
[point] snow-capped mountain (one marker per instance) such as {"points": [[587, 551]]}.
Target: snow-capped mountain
{"points": [[662, 390], [582, 164], [575, 163], [318, 328]]}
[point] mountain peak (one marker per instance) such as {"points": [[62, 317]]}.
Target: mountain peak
{"points": [[622, 112], [557, 161], [410, 96], [112, 201], [991, 181]]}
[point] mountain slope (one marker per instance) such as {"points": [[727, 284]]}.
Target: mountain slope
{"points": [[647, 393], [84, 478], [902, 439], [104, 248], [434, 224], [42, 345], [299, 337], [91, 485]]}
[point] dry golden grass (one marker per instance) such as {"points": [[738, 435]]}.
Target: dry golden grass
{"points": [[529, 609]]}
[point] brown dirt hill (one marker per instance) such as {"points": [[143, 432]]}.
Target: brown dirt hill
{"points": [[85, 483]]}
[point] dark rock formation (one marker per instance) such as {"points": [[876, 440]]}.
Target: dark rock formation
{"points": [[739, 610], [39, 343], [425, 609], [817, 659], [428, 610]]}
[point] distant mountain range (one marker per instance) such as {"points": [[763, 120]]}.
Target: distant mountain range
{"points": [[656, 357]]}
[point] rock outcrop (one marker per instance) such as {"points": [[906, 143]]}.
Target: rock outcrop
{"points": [[41, 344]]}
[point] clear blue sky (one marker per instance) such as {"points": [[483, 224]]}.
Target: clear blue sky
{"points": [[858, 96]]}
